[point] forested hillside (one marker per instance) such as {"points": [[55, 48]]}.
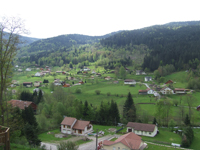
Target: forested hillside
{"points": [[173, 43]]}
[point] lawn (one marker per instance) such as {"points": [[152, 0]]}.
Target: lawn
{"points": [[45, 137], [164, 136], [20, 147], [105, 129], [158, 147]]}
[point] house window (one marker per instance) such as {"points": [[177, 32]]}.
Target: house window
{"points": [[114, 148], [80, 131], [118, 148], [63, 126], [150, 133]]}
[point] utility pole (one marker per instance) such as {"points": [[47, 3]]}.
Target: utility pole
{"points": [[97, 140]]}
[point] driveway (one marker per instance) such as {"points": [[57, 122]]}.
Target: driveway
{"points": [[87, 146]]}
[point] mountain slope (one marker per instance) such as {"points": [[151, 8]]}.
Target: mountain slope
{"points": [[174, 43], [61, 42]]}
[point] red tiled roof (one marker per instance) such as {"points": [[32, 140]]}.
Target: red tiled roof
{"points": [[142, 91], [141, 126], [68, 121], [178, 89], [130, 139], [19, 103], [81, 124]]}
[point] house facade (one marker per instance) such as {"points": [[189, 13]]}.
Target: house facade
{"points": [[140, 72], [129, 141], [37, 83], [129, 81], [76, 127], [166, 90], [179, 91], [146, 79], [27, 84], [142, 92], [142, 129], [150, 91], [28, 69], [37, 74]]}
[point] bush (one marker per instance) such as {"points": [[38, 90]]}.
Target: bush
{"points": [[78, 90], [98, 92], [108, 94]]}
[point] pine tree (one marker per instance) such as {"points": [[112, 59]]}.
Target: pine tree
{"points": [[187, 120], [129, 110], [154, 121]]}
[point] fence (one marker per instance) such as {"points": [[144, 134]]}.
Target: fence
{"points": [[5, 137]]}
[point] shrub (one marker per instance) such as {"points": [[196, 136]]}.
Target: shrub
{"points": [[78, 90], [98, 92], [108, 94]]}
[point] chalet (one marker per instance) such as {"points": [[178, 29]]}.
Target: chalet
{"points": [[81, 82], [71, 78], [129, 141], [28, 69], [57, 82], [198, 108], [142, 129], [41, 69], [22, 104], [166, 90], [16, 66], [116, 82], [146, 79], [142, 92], [129, 81], [107, 78], [169, 82], [180, 91], [66, 85], [98, 74], [93, 72], [140, 72], [37, 74], [150, 91], [28, 84], [15, 82], [86, 69], [75, 127], [37, 83], [58, 71], [20, 70], [63, 72]]}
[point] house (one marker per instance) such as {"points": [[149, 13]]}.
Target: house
{"points": [[63, 72], [98, 74], [57, 82], [81, 82], [22, 104], [20, 70], [14, 91], [129, 141], [158, 89], [73, 126], [58, 71], [116, 82], [107, 78], [198, 108], [180, 91], [41, 69], [93, 72], [15, 82], [66, 85], [169, 82], [166, 90], [146, 79], [86, 69], [37, 83], [142, 129], [37, 74], [129, 81], [150, 91], [140, 72], [16, 66], [28, 69], [28, 84], [71, 78], [143, 92]]}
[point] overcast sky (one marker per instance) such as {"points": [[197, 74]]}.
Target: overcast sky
{"points": [[49, 18]]}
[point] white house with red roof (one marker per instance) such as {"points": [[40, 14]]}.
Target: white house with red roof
{"points": [[129, 141], [142, 129], [166, 90], [71, 125]]}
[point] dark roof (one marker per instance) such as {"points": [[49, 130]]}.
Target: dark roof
{"points": [[141, 126], [130, 139], [129, 80], [142, 91], [19, 103], [81, 124], [68, 121]]}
